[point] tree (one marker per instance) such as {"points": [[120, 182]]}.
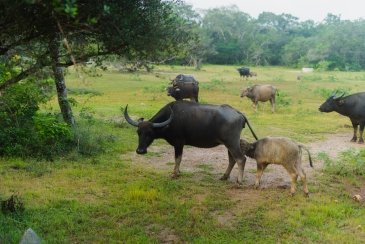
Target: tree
{"points": [[229, 31], [51, 35]]}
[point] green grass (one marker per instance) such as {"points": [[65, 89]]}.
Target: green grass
{"points": [[105, 198]]}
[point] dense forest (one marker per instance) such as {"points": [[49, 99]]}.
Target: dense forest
{"points": [[230, 36]]}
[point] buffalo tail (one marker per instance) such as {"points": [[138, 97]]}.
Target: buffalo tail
{"points": [[249, 126], [309, 155]]}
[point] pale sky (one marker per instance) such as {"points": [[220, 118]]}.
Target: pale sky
{"points": [[303, 9]]}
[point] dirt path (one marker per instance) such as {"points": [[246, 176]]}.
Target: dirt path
{"points": [[215, 160]]}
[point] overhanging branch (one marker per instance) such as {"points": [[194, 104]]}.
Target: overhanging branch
{"points": [[21, 76]]}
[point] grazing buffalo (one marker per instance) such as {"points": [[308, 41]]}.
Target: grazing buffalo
{"points": [[200, 125], [278, 150], [245, 72], [352, 106], [184, 90], [260, 93]]}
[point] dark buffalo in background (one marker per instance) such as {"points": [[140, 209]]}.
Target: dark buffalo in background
{"points": [[184, 86], [183, 78], [200, 125], [260, 93], [352, 106], [184, 90], [245, 72]]}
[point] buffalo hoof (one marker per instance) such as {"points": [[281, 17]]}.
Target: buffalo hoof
{"points": [[239, 183], [224, 177], [257, 187], [361, 141], [306, 194], [353, 139], [292, 194]]}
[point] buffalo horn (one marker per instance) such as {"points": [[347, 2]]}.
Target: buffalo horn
{"points": [[162, 124], [128, 119], [338, 97]]}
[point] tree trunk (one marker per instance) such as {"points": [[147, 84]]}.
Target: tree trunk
{"points": [[63, 102]]}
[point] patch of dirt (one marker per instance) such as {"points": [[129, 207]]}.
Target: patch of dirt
{"points": [[215, 160]]}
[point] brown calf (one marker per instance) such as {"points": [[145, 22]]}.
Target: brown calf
{"points": [[278, 150]]}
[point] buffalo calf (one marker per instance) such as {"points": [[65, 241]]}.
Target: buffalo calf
{"points": [[278, 150]]}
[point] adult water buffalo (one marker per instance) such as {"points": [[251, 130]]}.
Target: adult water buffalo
{"points": [[183, 78], [184, 90], [245, 72], [352, 106], [260, 93], [200, 125]]}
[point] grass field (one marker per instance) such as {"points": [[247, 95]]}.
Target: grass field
{"points": [[106, 199]]}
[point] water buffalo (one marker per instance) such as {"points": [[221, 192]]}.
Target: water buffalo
{"points": [[352, 106], [200, 125], [278, 150], [183, 90], [244, 72], [183, 78], [260, 93]]}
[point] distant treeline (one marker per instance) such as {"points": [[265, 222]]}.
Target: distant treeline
{"points": [[229, 36]]}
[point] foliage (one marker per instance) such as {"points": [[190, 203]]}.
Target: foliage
{"points": [[90, 137], [23, 131], [350, 163], [283, 99], [271, 39], [40, 37]]}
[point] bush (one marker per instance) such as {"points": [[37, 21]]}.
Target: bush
{"points": [[350, 163], [91, 135], [23, 132], [283, 99]]}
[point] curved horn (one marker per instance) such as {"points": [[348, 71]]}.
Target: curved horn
{"points": [[162, 124], [340, 96], [128, 119]]}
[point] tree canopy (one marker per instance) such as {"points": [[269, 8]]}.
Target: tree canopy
{"points": [[46, 36], [234, 37]]}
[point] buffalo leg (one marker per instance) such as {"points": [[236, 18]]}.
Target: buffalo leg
{"points": [[294, 176], [231, 163], [255, 105], [361, 140], [272, 101], [240, 160], [302, 176], [260, 170], [178, 156], [354, 125]]}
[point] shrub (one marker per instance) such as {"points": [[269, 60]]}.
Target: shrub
{"points": [[350, 163], [283, 99], [23, 132], [91, 135]]}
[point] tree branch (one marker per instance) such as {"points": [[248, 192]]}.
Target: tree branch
{"points": [[21, 76]]}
